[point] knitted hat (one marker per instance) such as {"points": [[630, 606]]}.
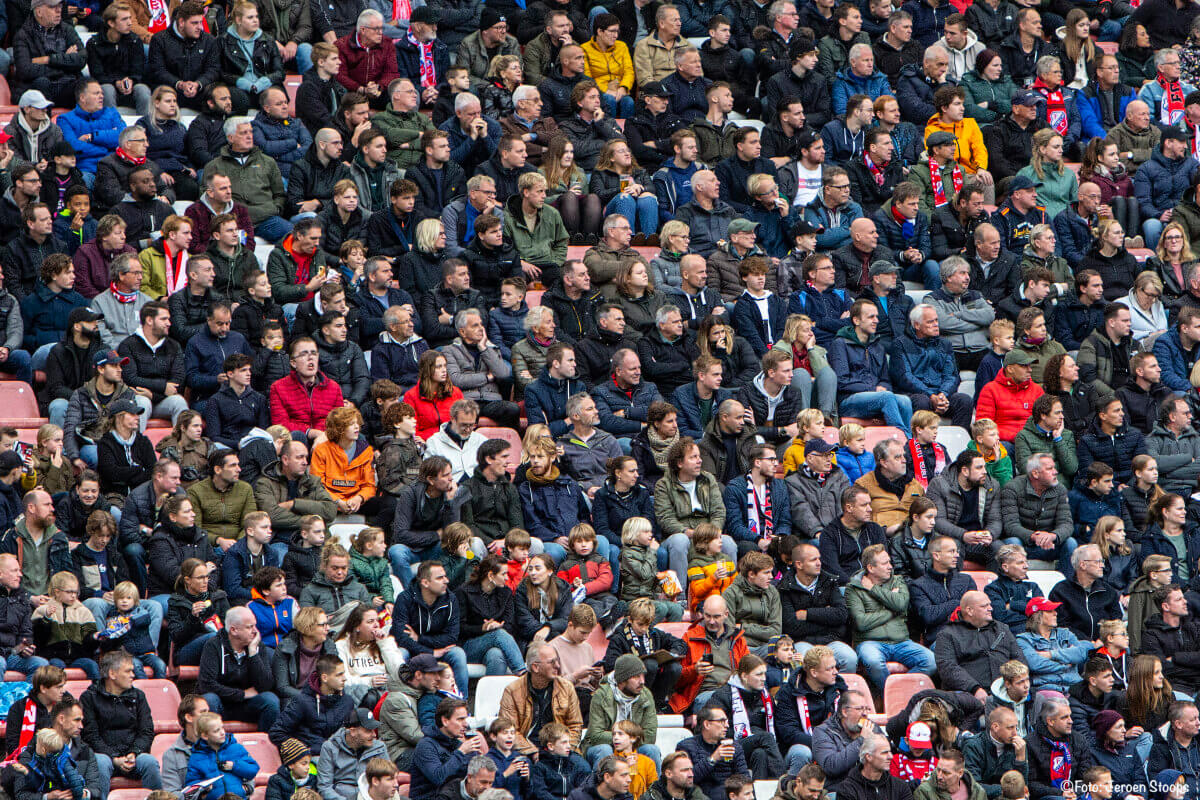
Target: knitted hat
{"points": [[628, 666], [291, 751], [489, 18], [1103, 722]]}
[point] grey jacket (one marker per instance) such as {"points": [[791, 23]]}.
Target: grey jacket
{"points": [[339, 766], [14, 326], [835, 751], [587, 461], [947, 495], [1178, 458], [815, 506], [390, 173], [474, 56], [472, 378], [83, 414], [174, 764], [120, 319], [450, 216], [964, 319], [399, 725]]}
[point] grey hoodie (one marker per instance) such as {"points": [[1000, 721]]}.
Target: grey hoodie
{"points": [[174, 764], [339, 766]]}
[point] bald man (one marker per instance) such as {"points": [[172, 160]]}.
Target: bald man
{"points": [[1073, 225], [852, 261], [708, 667], [16, 606], [1136, 139], [970, 650], [235, 672]]}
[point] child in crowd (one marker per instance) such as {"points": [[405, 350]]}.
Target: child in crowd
{"points": [[296, 772], [709, 570], [926, 457], [506, 324], [256, 308], [64, 630], [74, 224], [274, 611], [504, 753], [812, 426], [589, 575], [399, 450], [639, 569], [1013, 786], [271, 362], [985, 437], [127, 626], [1000, 334], [576, 658], [444, 688], [559, 770], [457, 556], [50, 768], [49, 468], [1114, 648], [458, 79], [353, 257], [62, 175], [303, 558], [627, 737], [739, 787], [1097, 497], [914, 758], [368, 563], [97, 560], [516, 547], [782, 661], [853, 457], [218, 754]]}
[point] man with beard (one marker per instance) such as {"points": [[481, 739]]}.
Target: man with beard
{"points": [[206, 133], [142, 209]]}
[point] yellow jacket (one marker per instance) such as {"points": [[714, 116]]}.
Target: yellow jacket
{"points": [[702, 576], [643, 774], [971, 155], [606, 66]]}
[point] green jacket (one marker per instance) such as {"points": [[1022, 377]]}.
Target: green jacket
{"points": [[639, 572], [311, 498], [546, 243], [400, 128], [1042, 353], [281, 272], [1057, 265], [474, 56], [257, 183], [1058, 190], [399, 725], [373, 573], [879, 614], [1000, 470], [220, 514], [759, 612], [1030, 440], [920, 176], [997, 95], [673, 506], [928, 790], [603, 715]]}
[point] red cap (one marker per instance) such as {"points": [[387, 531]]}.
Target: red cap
{"points": [[1040, 604], [4, 137]]}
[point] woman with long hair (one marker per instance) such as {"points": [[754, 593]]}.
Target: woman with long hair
{"points": [[488, 614], [1172, 259], [433, 394], [542, 601], [529, 354], [187, 445], [503, 77], [651, 444], [1102, 166], [166, 145], [1135, 55], [51, 469], [1061, 380], [190, 610], [675, 239], [633, 290], [1120, 568], [420, 270], [716, 338], [345, 463], [1148, 314], [1108, 256], [989, 88], [752, 714], [1148, 697], [622, 496], [1140, 493], [1077, 54], [811, 372], [369, 652], [567, 190], [1169, 525], [174, 540], [1058, 187], [625, 188], [1033, 337]]}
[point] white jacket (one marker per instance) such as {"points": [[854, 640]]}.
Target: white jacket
{"points": [[462, 459]]}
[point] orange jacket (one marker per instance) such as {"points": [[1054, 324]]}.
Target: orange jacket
{"points": [[345, 478], [689, 682], [702, 577], [971, 155]]}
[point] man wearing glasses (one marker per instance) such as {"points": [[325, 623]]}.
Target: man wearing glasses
{"points": [[714, 647], [832, 209], [715, 755], [368, 58], [758, 509], [402, 124], [836, 741], [113, 171], [303, 399]]}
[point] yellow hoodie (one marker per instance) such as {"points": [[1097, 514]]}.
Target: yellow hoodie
{"points": [[971, 154]]}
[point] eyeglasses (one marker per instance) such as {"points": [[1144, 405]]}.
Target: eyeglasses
{"points": [[841, 186]]}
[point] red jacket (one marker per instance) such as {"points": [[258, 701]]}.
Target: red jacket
{"points": [[431, 414], [689, 682], [1007, 404], [297, 408], [361, 66], [596, 573]]}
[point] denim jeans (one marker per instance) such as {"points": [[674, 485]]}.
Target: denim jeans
{"points": [[403, 557], [456, 658], [89, 667], [797, 756], [1151, 230], [618, 109], [262, 709], [19, 365], [304, 60], [41, 355], [497, 650], [273, 228], [875, 655], [101, 608], [847, 659], [825, 384], [895, 408], [189, 654], [641, 211], [599, 751], [24, 664], [926, 272], [145, 770], [58, 411], [139, 97]]}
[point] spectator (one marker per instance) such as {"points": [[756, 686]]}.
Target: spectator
{"points": [[318, 711], [235, 675], [838, 741], [256, 179], [965, 664], [49, 54], [858, 358], [1160, 182], [347, 754], [118, 725]]}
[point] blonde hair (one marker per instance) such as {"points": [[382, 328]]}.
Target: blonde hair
{"points": [[453, 536], [704, 534], [810, 416], [306, 619], [126, 589], [61, 580], [1000, 327], [981, 426], [206, 721], [925, 419], [1040, 140], [1185, 254], [1100, 537], [50, 740], [537, 430], [500, 64], [672, 227], [633, 528], [1110, 627], [46, 431], [642, 610], [365, 536], [851, 431], [791, 327]]}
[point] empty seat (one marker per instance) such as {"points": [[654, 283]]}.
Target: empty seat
{"points": [[765, 790], [261, 750], [668, 739], [487, 695], [899, 689], [1046, 579], [953, 438], [161, 744], [857, 682], [18, 401], [126, 794], [676, 629], [163, 697], [982, 578], [878, 433]]}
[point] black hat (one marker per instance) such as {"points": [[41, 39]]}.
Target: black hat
{"points": [[124, 406], [1172, 132], [426, 15], [656, 89], [806, 137], [360, 717], [1022, 182], [10, 460], [82, 314], [804, 228], [489, 17], [818, 446]]}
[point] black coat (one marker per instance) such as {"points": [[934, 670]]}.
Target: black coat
{"points": [[109, 62], [117, 724], [454, 186], [152, 369], [317, 100], [118, 473], [310, 180], [264, 58], [1009, 146], [173, 59], [827, 613]]}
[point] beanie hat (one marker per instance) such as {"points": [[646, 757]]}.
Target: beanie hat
{"points": [[628, 666], [291, 751], [1102, 723]]}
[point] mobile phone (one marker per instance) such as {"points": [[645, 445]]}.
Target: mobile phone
{"points": [[706, 658]]}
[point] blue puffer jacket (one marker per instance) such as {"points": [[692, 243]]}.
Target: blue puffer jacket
{"points": [[1087, 507], [687, 403], [1117, 451], [507, 327], [437, 762], [1176, 364], [1160, 183], [1073, 321], [915, 92], [546, 402], [45, 315], [855, 466], [891, 233], [1074, 238], [166, 147], [552, 509], [696, 15], [397, 361], [859, 367], [774, 231], [1155, 542], [927, 20], [923, 366], [237, 574], [285, 140], [1090, 117], [846, 84], [609, 399], [832, 236], [825, 309], [1061, 670], [203, 765], [104, 126]]}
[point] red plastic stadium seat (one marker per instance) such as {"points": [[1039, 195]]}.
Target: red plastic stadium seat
{"points": [[878, 434], [163, 697], [77, 688], [261, 750], [896, 668], [126, 794], [676, 629], [5, 93], [18, 401], [162, 743], [240, 728], [156, 435], [899, 689], [857, 682], [598, 641], [533, 297], [982, 578]]}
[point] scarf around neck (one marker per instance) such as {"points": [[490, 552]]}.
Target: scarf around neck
{"points": [[131, 159], [659, 446], [1056, 106], [741, 715], [1170, 107], [425, 51], [939, 188], [876, 171], [122, 297], [543, 480], [920, 468]]}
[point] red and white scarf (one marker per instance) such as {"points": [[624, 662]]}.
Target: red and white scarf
{"points": [[939, 189], [175, 268], [876, 171], [920, 469], [741, 717], [131, 159], [120, 296], [760, 516], [1170, 108], [28, 729], [806, 722], [1056, 106], [401, 10], [428, 75], [159, 15]]}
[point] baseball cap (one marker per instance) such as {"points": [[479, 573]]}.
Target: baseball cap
{"points": [[361, 718], [818, 446], [1022, 182], [9, 460], [103, 357], [1019, 357], [425, 662], [1171, 132], [35, 99], [1026, 99], [742, 225], [124, 407], [1037, 604], [82, 314], [881, 267], [805, 228], [919, 733]]}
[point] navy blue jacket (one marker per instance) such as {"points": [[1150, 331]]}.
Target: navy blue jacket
{"points": [[1176, 364], [1073, 321], [736, 515], [437, 761], [893, 320], [774, 232], [1160, 183], [436, 625], [609, 399], [934, 597], [397, 362], [923, 366], [1074, 239], [914, 92], [859, 367], [204, 359], [687, 403], [1155, 542], [228, 418], [237, 576], [610, 510], [553, 509], [1117, 451], [891, 234], [927, 20], [546, 402], [824, 308], [748, 322], [45, 314], [311, 717]]}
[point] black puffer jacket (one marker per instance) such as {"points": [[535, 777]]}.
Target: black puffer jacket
{"points": [[152, 369], [166, 550], [118, 723], [16, 618], [310, 180], [827, 613], [1117, 451], [174, 59], [345, 365], [477, 606]]}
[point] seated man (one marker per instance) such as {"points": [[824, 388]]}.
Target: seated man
{"points": [[399, 349], [117, 723], [186, 56], [891, 486], [1159, 183], [521, 701], [316, 714], [963, 314], [426, 617], [205, 353], [1087, 599], [49, 54], [90, 128], [286, 490], [1035, 509], [721, 759], [837, 741], [474, 138], [280, 135], [112, 171], [87, 415], [16, 640], [971, 649], [816, 489], [858, 358], [922, 366], [347, 755], [990, 755], [24, 259], [257, 181], [703, 671], [368, 59], [155, 368], [937, 593], [421, 56], [842, 541], [235, 672], [221, 500]]}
